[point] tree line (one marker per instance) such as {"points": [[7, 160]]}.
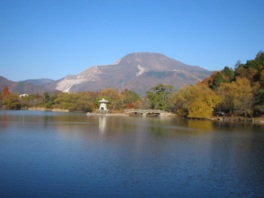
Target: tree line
{"points": [[73, 102], [238, 91], [233, 92]]}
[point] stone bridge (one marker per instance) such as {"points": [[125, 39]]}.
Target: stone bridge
{"points": [[145, 112]]}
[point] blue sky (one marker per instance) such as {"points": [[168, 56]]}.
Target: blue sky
{"points": [[54, 38]]}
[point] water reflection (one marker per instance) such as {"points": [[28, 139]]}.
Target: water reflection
{"points": [[3, 121], [102, 124], [45, 154], [200, 125]]}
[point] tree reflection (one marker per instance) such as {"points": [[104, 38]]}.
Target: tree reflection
{"points": [[200, 124]]}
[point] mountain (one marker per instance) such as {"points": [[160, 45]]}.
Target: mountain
{"points": [[28, 86], [4, 82], [137, 72], [40, 82]]}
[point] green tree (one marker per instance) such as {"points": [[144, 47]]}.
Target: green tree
{"points": [[81, 102], [159, 96], [261, 78], [228, 73], [130, 99], [31, 100], [48, 101], [181, 100], [84, 102], [259, 101], [11, 101], [217, 81]]}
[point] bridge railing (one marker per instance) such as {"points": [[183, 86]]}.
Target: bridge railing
{"points": [[144, 111]]}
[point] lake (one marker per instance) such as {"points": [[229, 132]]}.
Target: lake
{"points": [[48, 154]]}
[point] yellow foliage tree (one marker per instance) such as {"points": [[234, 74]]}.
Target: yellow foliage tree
{"points": [[203, 102], [181, 100], [195, 101], [238, 96]]}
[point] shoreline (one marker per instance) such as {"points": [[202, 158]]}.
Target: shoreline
{"points": [[106, 114], [239, 119], [46, 109], [234, 119]]}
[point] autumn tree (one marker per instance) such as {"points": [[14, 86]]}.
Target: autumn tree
{"points": [[113, 96], [218, 77], [252, 70], [195, 101], [5, 91], [203, 103], [247, 72], [181, 99], [208, 81], [9, 100], [237, 96], [241, 88]]}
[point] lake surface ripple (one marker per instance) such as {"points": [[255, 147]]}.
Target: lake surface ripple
{"points": [[47, 154]]}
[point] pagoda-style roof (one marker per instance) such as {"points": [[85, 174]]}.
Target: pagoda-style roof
{"points": [[103, 101]]}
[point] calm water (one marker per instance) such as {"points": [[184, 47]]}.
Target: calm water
{"points": [[45, 154]]}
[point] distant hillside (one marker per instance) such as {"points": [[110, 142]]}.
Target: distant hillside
{"points": [[42, 81], [4, 82], [36, 87], [137, 72]]}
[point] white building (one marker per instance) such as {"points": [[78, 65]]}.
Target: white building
{"points": [[23, 95], [103, 105]]}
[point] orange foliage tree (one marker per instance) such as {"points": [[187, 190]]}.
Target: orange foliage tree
{"points": [[5, 91]]}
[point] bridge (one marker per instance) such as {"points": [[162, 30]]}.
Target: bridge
{"points": [[145, 112]]}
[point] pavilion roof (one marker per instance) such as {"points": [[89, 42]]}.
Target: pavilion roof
{"points": [[103, 101]]}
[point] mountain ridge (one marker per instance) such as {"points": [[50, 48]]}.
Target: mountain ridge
{"points": [[32, 86], [136, 71]]}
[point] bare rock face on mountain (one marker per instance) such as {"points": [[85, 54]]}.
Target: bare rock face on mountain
{"points": [[138, 72]]}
